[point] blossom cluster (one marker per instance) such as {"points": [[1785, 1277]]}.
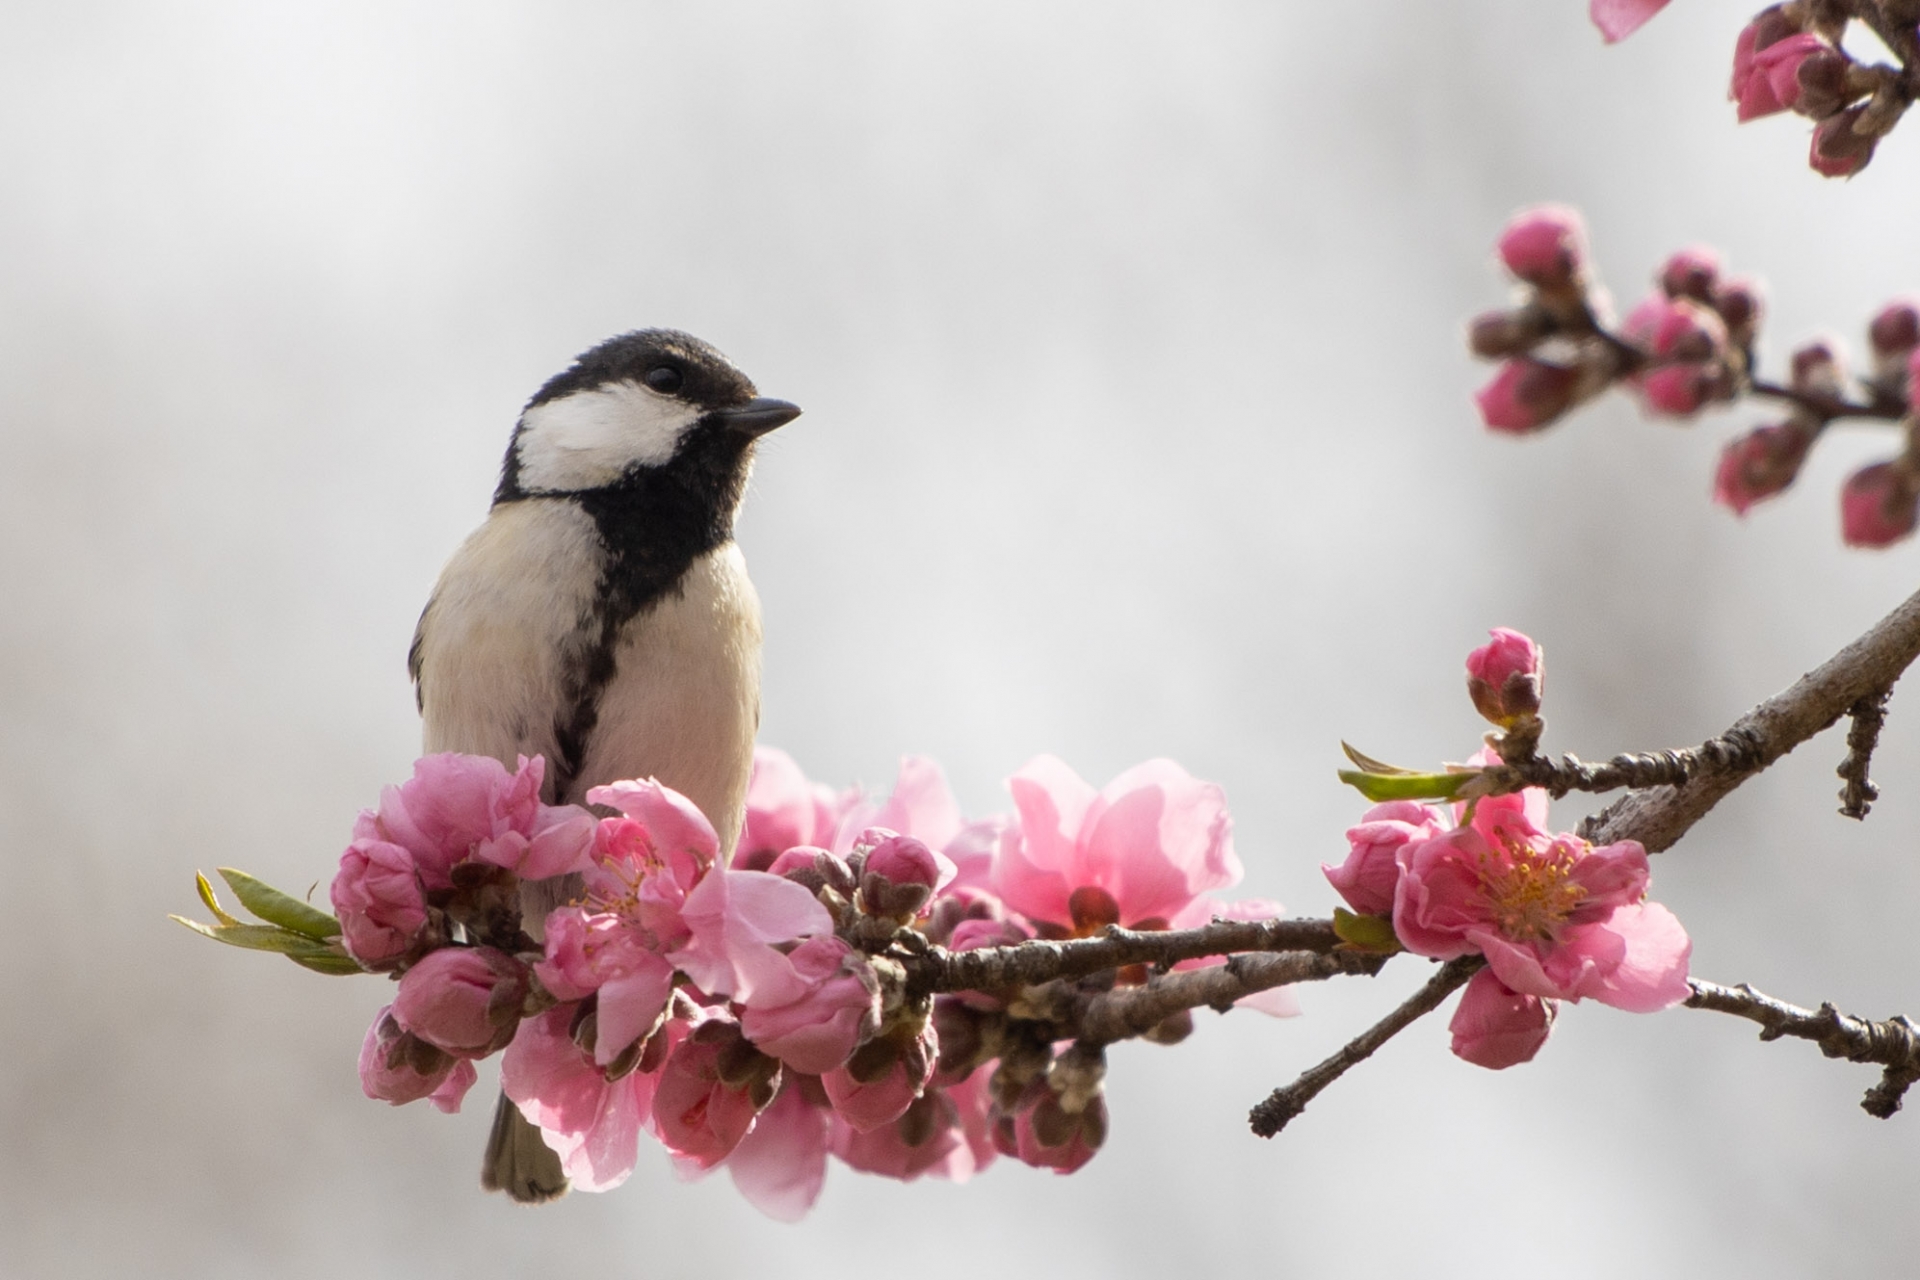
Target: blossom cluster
{"points": [[1792, 57], [752, 1012], [1555, 918], [1689, 345]]}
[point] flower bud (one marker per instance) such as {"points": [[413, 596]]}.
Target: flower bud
{"points": [[698, 1114], [1546, 246], [1760, 464], [1893, 335], [399, 1067], [1691, 273], [1496, 1027], [1504, 677], [815, 869], [380, 902], [1796, 72], [1818, 369], [1740, 305], [1879, 505], [839, 1008], [898, 876], [1371, 872], [1527, 394], [464, 1000], [1838, 151]]}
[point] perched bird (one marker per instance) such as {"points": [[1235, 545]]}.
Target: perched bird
{"points": [[602, 616]]}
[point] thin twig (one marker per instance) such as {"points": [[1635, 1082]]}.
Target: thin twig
{"points": [[1126, 1012], [1868, 714], [1661, 815], [1735, 750], [1028, 963], [1894, 1043], [1271, 1115]]}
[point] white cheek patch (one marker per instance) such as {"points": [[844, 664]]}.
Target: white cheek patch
{"points": [[590, 438]]}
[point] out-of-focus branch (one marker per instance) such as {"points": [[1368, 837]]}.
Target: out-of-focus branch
{"points": [[1272, 1114], [1126, 1012], [1894, 1043], [1026, 964], [1660, 816]]}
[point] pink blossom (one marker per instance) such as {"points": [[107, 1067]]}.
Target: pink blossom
{"points": [[465, 1000], [1554, 916], [399, 1067], [1149, 843], [922, 805], [838, 1009], [1372, 869], [785, 809], [1496, 1027], [1691, 273], [1741, 304], [700, 1115], [927, 1138], [1794, 70], [1893, 335], [1504, 677], [1677, 329], [457, 807], [1527, 394], [898, 874], [378, 897], [1879, 505], [781, 1164], [881, 1081], [1546, 246], [1760, 464], [1275, 1002], [1838, 150], [603, 952], [592, 1123], [1618, 19]]}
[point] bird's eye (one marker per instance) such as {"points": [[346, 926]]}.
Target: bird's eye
{"points": [[663, 378]]}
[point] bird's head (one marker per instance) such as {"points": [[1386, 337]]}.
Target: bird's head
{"points": [[652, 401]]}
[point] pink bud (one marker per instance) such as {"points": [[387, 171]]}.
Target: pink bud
{"points": [[1371, 872], [1678, 389], [1760, 464], [1741, 305], [1496, 1027], [464, 1000], [899, 874], [1546, 246], [1879, 505], [1837, 151], [1677, 329], [1798, 71], [380, 903], [839, 1009], [1894, 332], [398, 1067], [1691, 273], [1504, 677], [1819, 369], [814, 869], [1527, 394]]}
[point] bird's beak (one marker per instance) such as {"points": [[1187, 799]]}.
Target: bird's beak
{"points": [[757, 416]]}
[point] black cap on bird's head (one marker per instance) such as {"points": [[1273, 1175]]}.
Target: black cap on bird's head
{"points": [[651, 400]]}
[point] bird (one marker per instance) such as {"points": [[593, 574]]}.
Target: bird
{"points": [[602, 617]]}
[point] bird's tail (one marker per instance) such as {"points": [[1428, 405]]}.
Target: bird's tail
{"points": [[518, 1160]]}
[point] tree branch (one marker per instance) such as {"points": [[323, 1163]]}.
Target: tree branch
{"points": [[1126, 1012], [1659, 817], [1894, 1044], [1272, 1114], [1869, 714]]}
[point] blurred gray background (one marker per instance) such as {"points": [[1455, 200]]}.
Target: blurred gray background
{"points": [[1137, 424]]}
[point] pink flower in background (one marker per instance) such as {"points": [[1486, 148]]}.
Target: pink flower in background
{"points": [[465, 1000], [1137, 852], [1372, 870], [1527, 394], [1504, 677], [785, 809], [1545, 245], [1555, 917], [838, 1009], [1496, 1027], [380, 903], [923, 806], [1618, 19], [1879, 505], [399, 1067]]}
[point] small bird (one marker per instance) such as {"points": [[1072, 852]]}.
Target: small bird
{"points": [[602, 616]]}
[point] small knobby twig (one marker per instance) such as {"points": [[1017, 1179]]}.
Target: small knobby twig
{"points": [[1126, 1012], [1659, 816], [1271, 1115], [1025, 964], [1868, 714], [1894, 1043], [1735, 750]]}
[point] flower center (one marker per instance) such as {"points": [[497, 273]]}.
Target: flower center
{"points": [[1531, 891]]}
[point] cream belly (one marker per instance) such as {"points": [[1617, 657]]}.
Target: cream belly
{"points": [[512, 622]]}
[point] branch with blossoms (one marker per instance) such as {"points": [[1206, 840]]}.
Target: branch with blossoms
{"points": [[1793, 57], [878, 981], [1688, 346]]}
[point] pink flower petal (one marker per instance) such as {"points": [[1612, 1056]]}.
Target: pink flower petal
{"points": [[1618, 19], [781, 1164], [1653, 973], [675, 822], [922, 804], [1497, 1028]]}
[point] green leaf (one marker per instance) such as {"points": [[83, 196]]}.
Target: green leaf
{"points": [[201, 883], [1407, 786], [308, 953], [1367, 764], [1370, 933], [278, 908]]}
